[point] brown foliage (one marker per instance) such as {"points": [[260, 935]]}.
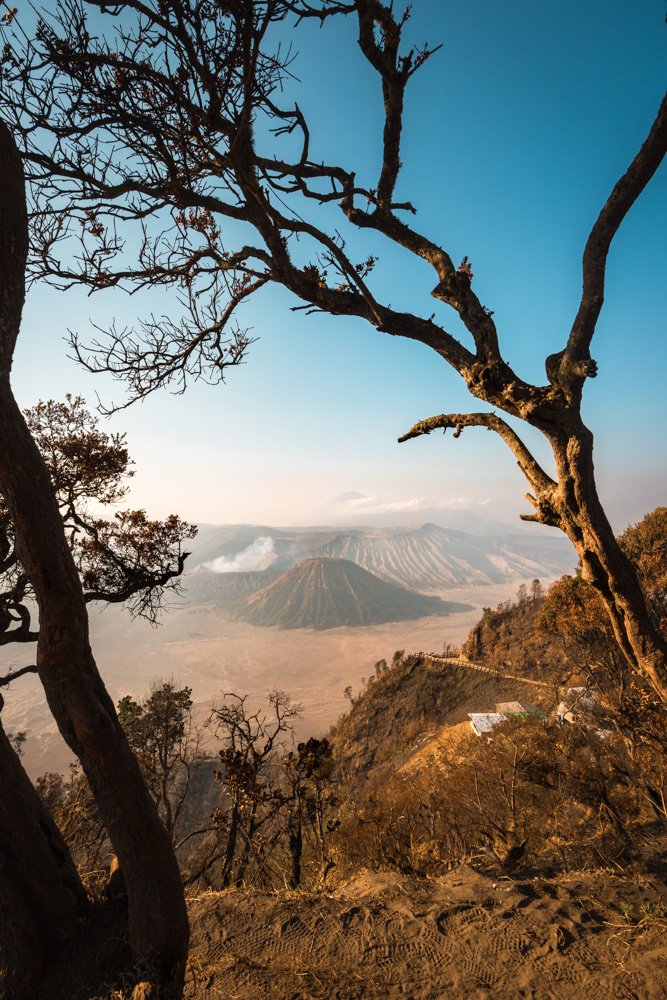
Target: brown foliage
{"points": [[72, 805], [274, 812], [166, 740], [507, 640], [574, 617], [537, 793], [127, 558], [646, 544]]}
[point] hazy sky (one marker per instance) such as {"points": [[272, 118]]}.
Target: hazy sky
{"points": [[515, 133]]}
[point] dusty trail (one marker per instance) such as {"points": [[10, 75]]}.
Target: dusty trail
{"points": [[459, 661], [463, 935]]}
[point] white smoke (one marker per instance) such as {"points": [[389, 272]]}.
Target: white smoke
{"points": [[245, 561]]}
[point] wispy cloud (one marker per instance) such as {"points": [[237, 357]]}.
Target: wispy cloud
{"points": [[354, 502]]}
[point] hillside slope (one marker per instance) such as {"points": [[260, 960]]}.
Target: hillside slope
{"points": [[510, 639], [464, 935], [411, 701], [382, 936], [329, 593], [222, 590]]}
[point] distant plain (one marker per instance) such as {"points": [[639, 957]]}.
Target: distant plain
{"points": [[201, 648]]}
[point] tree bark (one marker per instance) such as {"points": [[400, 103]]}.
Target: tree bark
{"points": [[570, 502], [230, 847], [296, 850], [604, 564], [75, 692], [41, 896]]}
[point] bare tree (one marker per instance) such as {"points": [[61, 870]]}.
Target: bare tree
{"points": [[311, 801], [174, 120], [38, 883], [250, 746], [252, 743]]}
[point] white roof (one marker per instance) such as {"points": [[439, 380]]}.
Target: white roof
{"points": [[484, 722]]}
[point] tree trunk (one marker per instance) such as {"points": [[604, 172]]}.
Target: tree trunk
{"points": [[42, 900], [296, 850], [604, 564], [75, 692], [230, 847], [247, 850]]}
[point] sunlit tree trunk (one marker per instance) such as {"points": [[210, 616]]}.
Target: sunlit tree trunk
{"points": [[604, 564], [75, 692]]}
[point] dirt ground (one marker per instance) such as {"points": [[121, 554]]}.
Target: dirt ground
{"points": [[591, 935]]}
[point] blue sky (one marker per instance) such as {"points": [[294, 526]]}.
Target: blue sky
{"points": [[515, 133]]}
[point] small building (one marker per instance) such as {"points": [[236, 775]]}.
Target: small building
{"points": [[510, 708], [519, 710], [484, 723]]}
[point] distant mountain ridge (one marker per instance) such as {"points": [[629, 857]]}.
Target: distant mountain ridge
{"points": [[425, 558], [330, 593]]}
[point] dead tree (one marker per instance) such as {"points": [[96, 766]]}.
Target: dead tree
{"points": [[157, 124], [49, 903], [249, 764]]}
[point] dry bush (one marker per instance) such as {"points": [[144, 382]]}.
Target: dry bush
{"points": [[564, 796], [72, 805], [276, 802]]}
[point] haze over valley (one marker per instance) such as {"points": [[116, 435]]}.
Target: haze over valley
{"points": [[425, 557], [307, 610]]}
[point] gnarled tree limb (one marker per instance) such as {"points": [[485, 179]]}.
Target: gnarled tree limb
{"points": [[620, 201], [532, 470]]}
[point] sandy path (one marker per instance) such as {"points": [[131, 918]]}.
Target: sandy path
{"points": [[463, 935]]}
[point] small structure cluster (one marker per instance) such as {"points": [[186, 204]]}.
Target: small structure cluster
{"points": [[483, 723]]}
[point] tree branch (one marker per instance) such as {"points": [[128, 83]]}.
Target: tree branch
{"points": [[620, 201], [143, 581], [531, 469], [15, 674]]}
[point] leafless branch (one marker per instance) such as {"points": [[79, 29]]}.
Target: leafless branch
{"points": [[536, 476], [622, 198], [13, 675]]}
